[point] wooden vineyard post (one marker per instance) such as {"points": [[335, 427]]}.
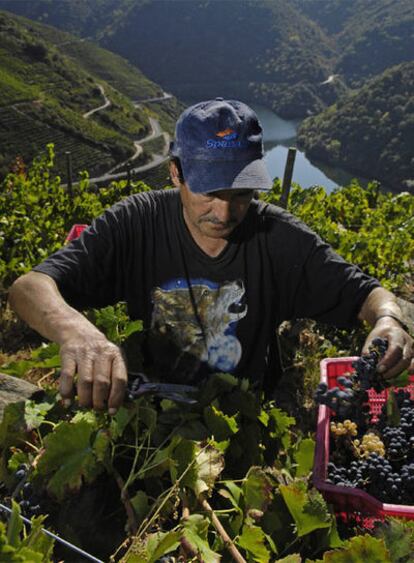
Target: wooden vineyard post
{"points": [[287, 177], [69, 172], [128, 186]]}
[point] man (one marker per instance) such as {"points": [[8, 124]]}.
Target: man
{"points": [[210, 269]]}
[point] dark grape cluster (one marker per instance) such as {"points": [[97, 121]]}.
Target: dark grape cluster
{"points": [[396, 442], [366, 366], [350, 398], [337, 399], [380, 458], [29, 502], [375, 475]]}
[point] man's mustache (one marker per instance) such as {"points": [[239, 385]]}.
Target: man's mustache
{"points": [[216, 221]]}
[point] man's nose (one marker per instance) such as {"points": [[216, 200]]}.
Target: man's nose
{"points": [[223, 210]]}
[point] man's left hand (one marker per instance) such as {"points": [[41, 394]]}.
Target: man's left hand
{"points": [[400, 352]]}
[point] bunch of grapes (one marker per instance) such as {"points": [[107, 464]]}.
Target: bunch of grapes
{"points": [[371, 443], [350, 398], [29, 502], [366, 366], [347, 428], [375, 456]]}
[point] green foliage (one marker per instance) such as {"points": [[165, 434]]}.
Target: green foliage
{"points": [[18, 544], [143, 450], [37, 213]]}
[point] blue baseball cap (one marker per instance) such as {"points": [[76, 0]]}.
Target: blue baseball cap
{"points": [[220, 146]]}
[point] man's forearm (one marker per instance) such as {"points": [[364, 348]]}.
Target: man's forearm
{"points": [[379, 304], [36, 300], [84, 350]]}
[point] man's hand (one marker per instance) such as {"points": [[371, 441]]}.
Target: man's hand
{"points": [[400, 352], [101, 373], [381, 310], [84, 350]]}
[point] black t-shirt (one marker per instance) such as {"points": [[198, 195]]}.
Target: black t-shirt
{"points": [[205, 314]]}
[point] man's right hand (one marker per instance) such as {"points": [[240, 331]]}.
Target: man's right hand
{"points": [[85, 352], [100, 370]]}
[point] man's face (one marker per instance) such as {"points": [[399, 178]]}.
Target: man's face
{"points": [[217, 214]]}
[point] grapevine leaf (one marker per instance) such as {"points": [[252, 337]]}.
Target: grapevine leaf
{"points": [[120, 421], [141, 505], [220, 425], [147, 415], [18, 458], [131, 327], [183, 458], [304, 457], [309, 513], [12, 427], [398, 537], [202, 466], [25, 554], [37, 540], [359, 548], [234, 489], [279, 424], [162, 543], [195, 531], [35, 413], [18, 368], [257, 490], [70, 456], [101, 444], [86, 416], [210, 463], [15, 526], [46, 351], [293, 558], [253, 539]]}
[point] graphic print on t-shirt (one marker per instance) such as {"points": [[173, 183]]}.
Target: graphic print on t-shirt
{"points": [[200, 321]]}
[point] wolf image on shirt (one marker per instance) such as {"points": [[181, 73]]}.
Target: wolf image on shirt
{"points": [[200, 321]]}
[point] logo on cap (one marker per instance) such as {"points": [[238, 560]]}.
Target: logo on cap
{"points": [[228, 134]]}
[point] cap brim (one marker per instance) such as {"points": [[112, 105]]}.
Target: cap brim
{"points": [[204, 176]]}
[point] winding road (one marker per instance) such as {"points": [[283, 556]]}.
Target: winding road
{"points": [[106, 104], [157, 159]]}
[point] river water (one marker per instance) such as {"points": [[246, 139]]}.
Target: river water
{"points": [[280, 134]]}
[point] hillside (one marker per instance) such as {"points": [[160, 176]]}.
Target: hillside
{"points": [[49, 80], [264, 50], [371, 129], [370, 35]]}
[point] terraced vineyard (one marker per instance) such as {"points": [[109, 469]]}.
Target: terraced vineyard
{"points": [[48, 84], [18, 129]]}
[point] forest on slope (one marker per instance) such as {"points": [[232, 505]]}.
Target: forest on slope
{"points": [[255, 50], [49, 80], [370, 130], [297, 58]]}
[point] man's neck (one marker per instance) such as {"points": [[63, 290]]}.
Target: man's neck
{"points": [[211, 247]]}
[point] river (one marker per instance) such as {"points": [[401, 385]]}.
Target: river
{"points": [[280, 134]]}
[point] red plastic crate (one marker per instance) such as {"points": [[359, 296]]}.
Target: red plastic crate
{"points": [[349, 501], [75, 231]]}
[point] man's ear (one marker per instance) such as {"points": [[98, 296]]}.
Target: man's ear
{"points": [[174, 174]]}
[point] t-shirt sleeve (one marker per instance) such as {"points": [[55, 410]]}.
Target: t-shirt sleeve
{"points": [[317, 283], [330, 289], [90, 270]]}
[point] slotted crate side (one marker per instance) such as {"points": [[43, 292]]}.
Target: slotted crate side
{"points": [[349, 501]]}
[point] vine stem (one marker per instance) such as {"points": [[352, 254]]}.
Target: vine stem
{"points": [[234, 552], [132, 522]]}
